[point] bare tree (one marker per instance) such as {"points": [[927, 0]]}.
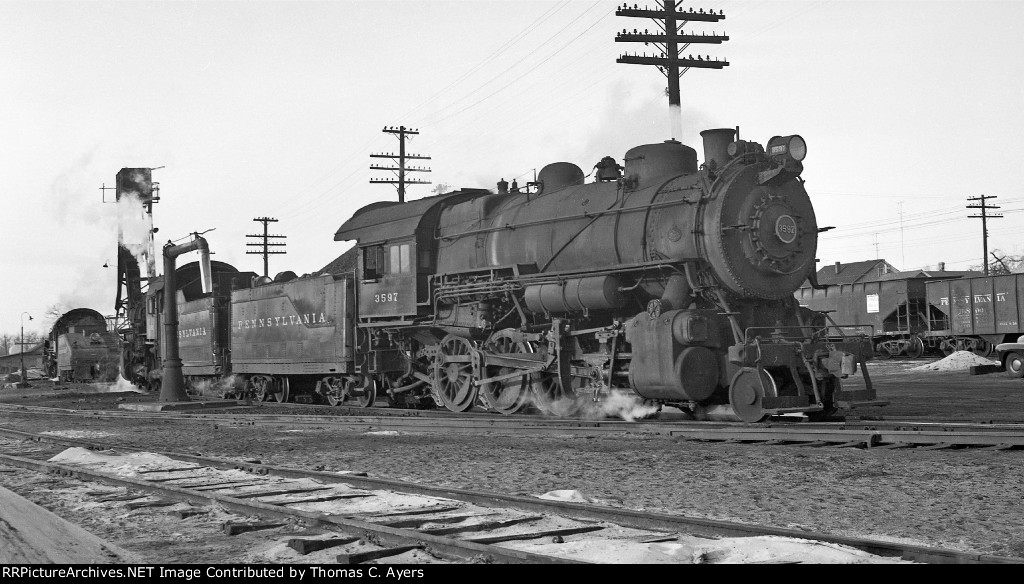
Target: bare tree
{"points": [[1002, 264]]}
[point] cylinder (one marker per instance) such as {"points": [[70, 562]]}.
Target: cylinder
{"points": [[575, 295]]}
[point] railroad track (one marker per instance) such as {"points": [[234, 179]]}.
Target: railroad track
{"points": [[357, 513], [860, 434]]}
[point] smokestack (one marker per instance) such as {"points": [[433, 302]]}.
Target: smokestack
{"points": [[837, 268], [942, 266], [716, 144]]}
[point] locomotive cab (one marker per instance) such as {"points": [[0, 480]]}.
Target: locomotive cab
{"points": [[388, 279]]}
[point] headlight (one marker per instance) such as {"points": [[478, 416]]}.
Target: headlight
{"points": [[792, 146]]}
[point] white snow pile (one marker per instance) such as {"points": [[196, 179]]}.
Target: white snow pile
{"points": [[569, 495], [957, 361], [78, 433], [127, 465]]}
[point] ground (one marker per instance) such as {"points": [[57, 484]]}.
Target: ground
{"points": [[966, 500]]}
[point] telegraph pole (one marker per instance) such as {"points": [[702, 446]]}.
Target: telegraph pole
{"points": [[403, 134], [672, 41], [984, 222], [266, 245]]}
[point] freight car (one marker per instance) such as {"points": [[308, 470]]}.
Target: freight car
{"points": [[79, 347], [936, 313], [978, 313]]}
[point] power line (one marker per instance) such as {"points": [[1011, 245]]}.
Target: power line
{"points": [[672, 40], [403, 134], [266, 245], [984, 223]]}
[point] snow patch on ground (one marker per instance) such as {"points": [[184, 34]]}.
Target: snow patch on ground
{"points": [[565, 495], [956, 361], [78, 433]]}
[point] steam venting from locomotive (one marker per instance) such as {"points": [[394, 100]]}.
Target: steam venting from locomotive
{"points": [[135, 227]]}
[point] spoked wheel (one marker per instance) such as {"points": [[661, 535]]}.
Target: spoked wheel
{"points": [[981, 348], [746, 393], [915, 348], [336, 389], [259, 387], [1015, 364], [506, 396], [556, 395], [452, 374], [365, 392], [283, 390]]}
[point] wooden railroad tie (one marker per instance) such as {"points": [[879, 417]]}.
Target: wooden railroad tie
{"points": [[142, 504], [232, 528], [485, 526], [418, 521], [186, 513], [537, 534], [360, 557], [307, 546], [325, 498]]}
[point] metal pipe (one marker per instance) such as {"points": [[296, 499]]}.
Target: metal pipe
{"points": [[172, 385]]}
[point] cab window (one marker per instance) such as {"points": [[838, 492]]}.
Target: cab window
{"points": [[399, 259], [374, 262]]}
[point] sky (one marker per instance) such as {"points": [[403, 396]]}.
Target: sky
{"points": [[258, 108]]}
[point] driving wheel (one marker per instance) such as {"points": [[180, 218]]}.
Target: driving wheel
{"points": [[452, 375], [506, 396]]}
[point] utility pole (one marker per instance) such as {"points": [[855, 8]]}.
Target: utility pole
{"points": [[671, 41], [403, 134], [984, 222], [903, 255], [266, 252], [24, 376]]}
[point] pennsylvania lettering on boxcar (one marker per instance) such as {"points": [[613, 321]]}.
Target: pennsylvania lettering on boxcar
{"points": [[289, 320], [192, 332]]}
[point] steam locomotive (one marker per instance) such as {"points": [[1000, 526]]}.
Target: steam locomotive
{"points": [[663, 279], [79, 347]]}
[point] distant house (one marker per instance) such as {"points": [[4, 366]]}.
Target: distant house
{"points": [[33, 359], [851, 273], [879, 270]]}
